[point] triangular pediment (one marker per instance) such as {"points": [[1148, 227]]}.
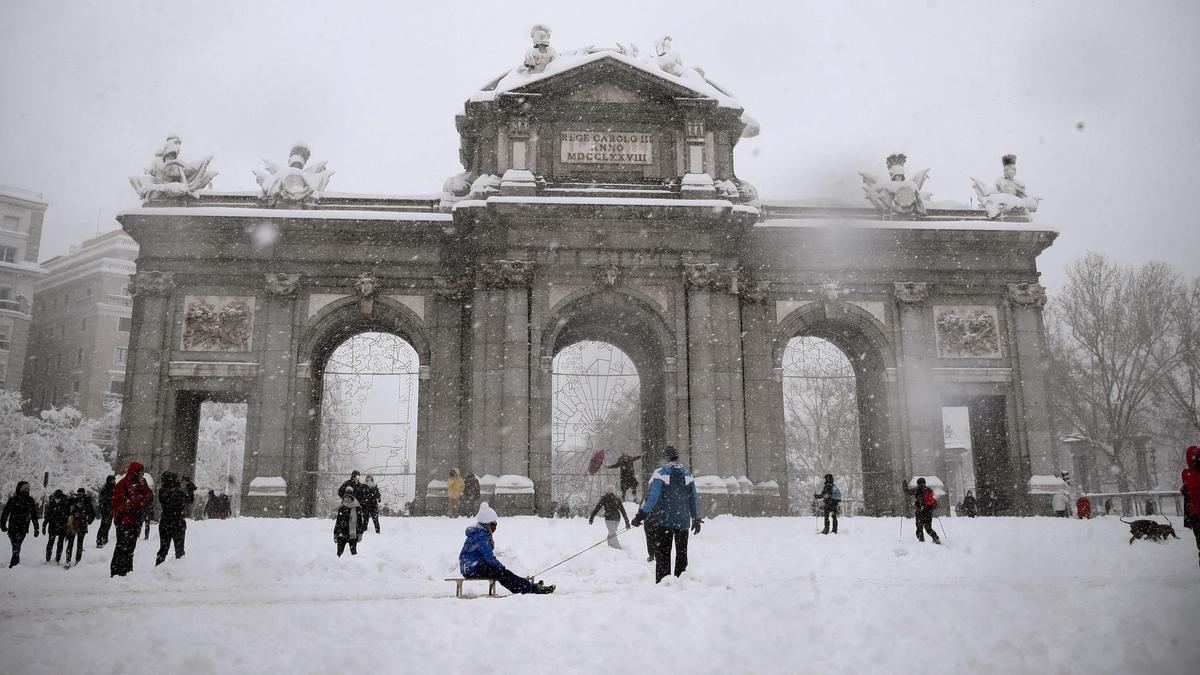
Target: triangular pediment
{"points": [[604, 92], [609, 79]]}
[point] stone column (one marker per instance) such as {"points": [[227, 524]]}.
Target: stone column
{"points": [[728, 383], [145, 380], [268, 453], [446, 397], [1030, 369], [919, 392], [763, 392]]}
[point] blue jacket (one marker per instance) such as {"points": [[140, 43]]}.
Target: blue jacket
{"points": [[673, 501], [477, 549]]}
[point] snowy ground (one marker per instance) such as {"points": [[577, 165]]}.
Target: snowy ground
{"points": [[761, 595]]}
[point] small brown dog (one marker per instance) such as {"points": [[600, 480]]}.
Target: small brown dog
{"points": [[1148, 529]]}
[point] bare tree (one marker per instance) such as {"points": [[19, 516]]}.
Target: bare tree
{"points": [[1108, 335], [1179, 355]]}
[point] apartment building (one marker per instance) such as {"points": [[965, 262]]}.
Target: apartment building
{"points": [[21, 214]]}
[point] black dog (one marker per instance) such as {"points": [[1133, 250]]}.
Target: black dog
{"points": [[1148, 529]]}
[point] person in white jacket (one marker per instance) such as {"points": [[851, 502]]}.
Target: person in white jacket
{"points": [[1061, 503]]}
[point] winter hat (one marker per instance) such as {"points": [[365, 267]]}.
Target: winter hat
{"points": [[486, 514], [828, 478], [671, 454], [81, 491], [921, 480]]}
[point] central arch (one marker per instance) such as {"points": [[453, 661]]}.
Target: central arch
{"points": [[635, 326], [863, 340]]}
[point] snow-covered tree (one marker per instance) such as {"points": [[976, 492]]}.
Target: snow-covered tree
{"points": [[221, 449], [57, 440]]}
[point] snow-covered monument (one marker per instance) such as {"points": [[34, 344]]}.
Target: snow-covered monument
{"points": [[599, 201]]}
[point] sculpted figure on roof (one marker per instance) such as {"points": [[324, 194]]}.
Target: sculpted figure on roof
{"points": [[170, 176], [295, 182], [900, 195], [541, 54], [1009, 194]]}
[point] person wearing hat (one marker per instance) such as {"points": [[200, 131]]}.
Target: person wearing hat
{"points": [[923, 505], [349, 524], [628, 478], [477, 560], [54, 523], [131, 495], [673, 502], [81, 513], [20, 511], [830, 497], [351, 482], [613, 509]]}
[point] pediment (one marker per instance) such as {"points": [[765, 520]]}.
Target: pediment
{"points": [[604, 92], [608, 79]]}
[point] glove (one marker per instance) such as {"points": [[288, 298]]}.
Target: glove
{"points": [[637, 520], [696, 526]]}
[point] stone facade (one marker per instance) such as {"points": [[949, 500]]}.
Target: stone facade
{"points": [[489, 282], [21, 214]]}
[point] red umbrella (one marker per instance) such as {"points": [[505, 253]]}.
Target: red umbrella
{"points": [[596, 462]]}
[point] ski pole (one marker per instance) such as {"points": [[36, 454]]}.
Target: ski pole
{"points": [[943, 528], [901, 527], [615, 534]]}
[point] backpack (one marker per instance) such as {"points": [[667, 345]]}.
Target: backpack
{"points": [[835, 494], [930, 500]]}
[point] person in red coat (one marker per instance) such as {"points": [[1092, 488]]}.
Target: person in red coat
{"points": [[1191, 492], [1083, 508], [129, 499]]}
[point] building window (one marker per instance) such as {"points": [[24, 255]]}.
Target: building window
{"points": [[5, 335], [3, 375], [79, 356], [8, 254], [87, 292], [12, 223], [6, 299], [120, 356], [124, 324], [117, 387]]}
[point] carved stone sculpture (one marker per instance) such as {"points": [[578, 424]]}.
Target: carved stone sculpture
{"points": [[169, 176], [299, 181], [830, 290], [911, 292], [507, 273], [1009, 194], [967, 332], [456, 287], [217, 324], [151, 283], [702, 275], [666, 57], [541, 54], [756, 290], [282, 285], [366, 287], [900, 194], [1033, 295], [608, 275]]}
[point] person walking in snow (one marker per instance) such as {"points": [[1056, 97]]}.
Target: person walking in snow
{"points": [[924, 503], [470, 495], [629, 483], [104, 506], [831, 498], [454, 491], [349, 524], [673, 502], [54, 524], [970, 505], [131, 494], [20, 511], [351, 484], [613, 509], [1061, 503], [176, 498], [80, 515], [1083, 508], [1191, 491], [369, 497], [477, 559]]}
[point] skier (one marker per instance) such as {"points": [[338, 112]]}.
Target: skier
{"points": [[369, 498], [175, 497], [672, 502], [349, 525], [80, 515], [923, 505], [106, 515], [470, 495], [1191, 492], [454, 490], [130, 496], [19, 512], [477, 560], [628, 479], [612, 509], [970, 506], [351, 482], [830, 497], [55, 523]]}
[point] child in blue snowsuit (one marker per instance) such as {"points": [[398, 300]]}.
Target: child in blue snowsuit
{"points": [[477, 560], [673, 503]]}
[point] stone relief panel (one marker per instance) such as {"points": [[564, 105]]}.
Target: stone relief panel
{"points": [[217, 323], [967, 331]]}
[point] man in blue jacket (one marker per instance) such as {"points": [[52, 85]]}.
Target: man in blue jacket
{"points": [[477, 560], [673, 503]]}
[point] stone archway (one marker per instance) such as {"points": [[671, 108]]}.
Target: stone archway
{"points": [[862, 339], [332, 327], [632, 325]]}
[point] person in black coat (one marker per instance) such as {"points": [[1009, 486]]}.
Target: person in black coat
{"points": [[105, 508], [369, 497], [176, 498], [349, 524], [470, 495], [613, 511], [829, 503], [970, 505], [148, 514], [351, 484], [58, 508], [924, 504], [19, 512], [628, 479], [80, 515]]}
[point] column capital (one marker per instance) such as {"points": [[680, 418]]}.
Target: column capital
{"points": [[702, 275], [506, 273], [608, 275], [151, 282], [1027, 294], [281, 284], [911, 292]]}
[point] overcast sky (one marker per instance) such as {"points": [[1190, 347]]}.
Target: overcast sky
{"points": [[1099, 100]]}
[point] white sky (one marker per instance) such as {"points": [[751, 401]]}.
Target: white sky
{"points": [[89, 91]]}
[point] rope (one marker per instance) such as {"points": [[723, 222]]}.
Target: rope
{"points": [[604, 540]]}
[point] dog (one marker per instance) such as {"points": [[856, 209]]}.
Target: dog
{"points": [[1148, 529]]}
